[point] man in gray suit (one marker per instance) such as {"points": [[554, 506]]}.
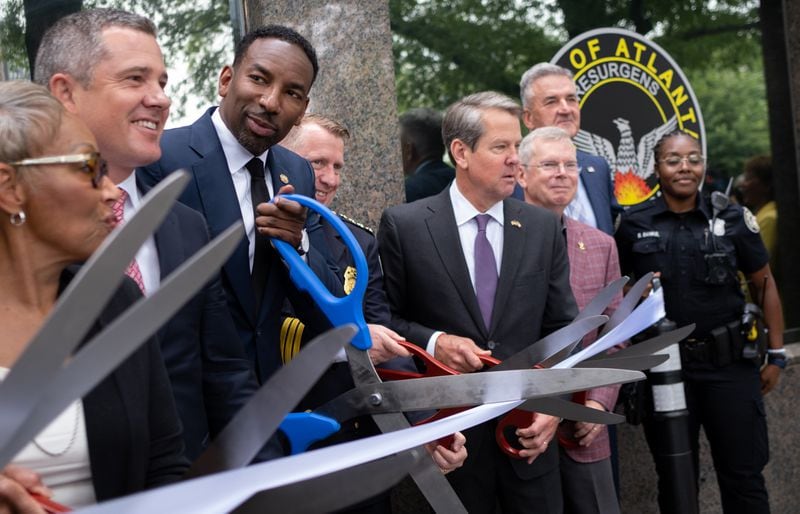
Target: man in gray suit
{"points": [[470, 272]]}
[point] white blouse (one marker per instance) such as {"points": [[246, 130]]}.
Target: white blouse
{"points": [[60, 454]]}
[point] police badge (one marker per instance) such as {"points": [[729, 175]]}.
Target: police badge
{"points": [[349, 279]]}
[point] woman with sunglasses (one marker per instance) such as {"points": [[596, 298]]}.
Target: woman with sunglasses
{"points": [[698, 244], [55, 210]]}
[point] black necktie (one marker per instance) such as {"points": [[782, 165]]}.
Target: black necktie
{"points": [[258, 195]]}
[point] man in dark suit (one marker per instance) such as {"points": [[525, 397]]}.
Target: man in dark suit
{"points": [[322, 140], [422, 149], [231, 154], [120, 96], [470, 272], [549, 98]]}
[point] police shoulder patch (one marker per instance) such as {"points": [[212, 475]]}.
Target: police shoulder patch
{"points": [[751, 221]]}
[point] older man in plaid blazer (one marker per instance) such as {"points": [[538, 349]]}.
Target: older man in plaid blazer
{"points": [[549, 177]]}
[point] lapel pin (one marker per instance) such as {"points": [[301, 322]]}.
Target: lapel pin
{"points": [[516, 223], [590, 169], [581, 246], [284, 178]]}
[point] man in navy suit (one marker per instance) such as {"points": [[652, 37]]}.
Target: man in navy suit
{"points": [[264, 93], [549, 98], [112, 76]]}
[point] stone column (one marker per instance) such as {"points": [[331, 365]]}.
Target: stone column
{"points": [[780, 21], [356, 87]]}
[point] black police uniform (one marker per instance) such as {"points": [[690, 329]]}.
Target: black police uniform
{"points": [[698, 264]]}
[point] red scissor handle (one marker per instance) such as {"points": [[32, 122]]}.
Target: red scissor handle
{"points": [[433, 368], [565, 439], [49, 505]]}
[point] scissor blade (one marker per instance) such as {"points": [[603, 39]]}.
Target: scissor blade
{"points": [[571, 410], [640, 363], [249, 430], [430, 481], [627, 304], [79, 306], [473, 389], [550, 345], [107, 350], [597, 306], [329, 493], [652, 345], [603, 299]]}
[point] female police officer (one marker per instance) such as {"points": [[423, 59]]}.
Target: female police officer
{"points": [[698, 249]]}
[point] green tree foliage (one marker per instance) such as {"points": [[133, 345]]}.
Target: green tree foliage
{"points": [[12, 38], [445, 49], [735, 114], [194, 34]]}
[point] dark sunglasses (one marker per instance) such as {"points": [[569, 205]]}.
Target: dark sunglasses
{"points": [[90, 162]]}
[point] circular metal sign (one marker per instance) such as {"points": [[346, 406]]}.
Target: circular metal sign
{"points": [[631, 93]]}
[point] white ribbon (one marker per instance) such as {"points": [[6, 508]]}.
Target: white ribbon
{"points": [[225, 491], [646, 314]]}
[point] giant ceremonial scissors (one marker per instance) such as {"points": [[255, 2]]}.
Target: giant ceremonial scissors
{"points": [[371, 393]]}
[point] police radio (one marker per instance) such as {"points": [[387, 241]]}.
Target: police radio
{"points": [[717, 263]]}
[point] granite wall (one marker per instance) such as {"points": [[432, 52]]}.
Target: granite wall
{"points": [[356, 87], [638, 476]]}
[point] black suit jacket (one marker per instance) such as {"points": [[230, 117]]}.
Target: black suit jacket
{"points": [[429, 287], [132, 427], [210, 374], [428, 179], [211, 192]]}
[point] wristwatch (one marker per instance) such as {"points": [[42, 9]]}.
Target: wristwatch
{"points": [[779, 360], [304, 245]]}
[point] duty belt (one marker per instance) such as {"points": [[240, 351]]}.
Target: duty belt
{"points": [[697, 349]]}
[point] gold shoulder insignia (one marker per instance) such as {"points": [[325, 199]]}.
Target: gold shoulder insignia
{"points": [[291, 338], [354, 222]]}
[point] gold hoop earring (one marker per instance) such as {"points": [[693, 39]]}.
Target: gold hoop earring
{"points": [[18, 218]]}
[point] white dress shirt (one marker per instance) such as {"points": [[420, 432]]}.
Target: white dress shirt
{"points": [[465, 213], [147, 256], [580, 208], [237, 157]]}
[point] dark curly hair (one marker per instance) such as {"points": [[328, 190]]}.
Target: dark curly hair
{"points": [[277, 32]]}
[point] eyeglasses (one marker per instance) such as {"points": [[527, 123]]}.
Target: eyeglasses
{"points": [[552, 167], [693, 159], [90, 162]]}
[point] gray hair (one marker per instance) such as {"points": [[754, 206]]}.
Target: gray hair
{"points": [[74, 44], [30, 118], [535, 72], [463, 119], [541, 134]]}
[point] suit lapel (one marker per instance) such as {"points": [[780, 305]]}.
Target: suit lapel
{"points": [[221, 207], [169, 245], [514, 234], [444, 233]]}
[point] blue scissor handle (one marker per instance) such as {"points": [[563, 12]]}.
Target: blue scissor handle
{"points": [[339, 311], [305, 428]]}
